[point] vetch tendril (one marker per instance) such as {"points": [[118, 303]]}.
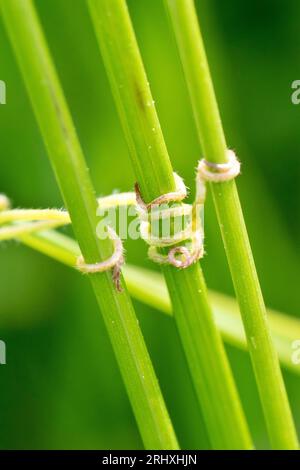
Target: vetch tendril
{"points": [[113, 263], [4, 202], [219, 172], [179, 256], [180, 249], [215, 173], [17, 222]]}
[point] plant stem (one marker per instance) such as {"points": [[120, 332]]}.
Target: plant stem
{"points": [[149, 287], [211, 135], [203, 347], [13, 231], [73, 177], [54, 244], [18, 215]]}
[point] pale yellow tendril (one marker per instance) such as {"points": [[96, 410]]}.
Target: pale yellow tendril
{"points": [[18, 222], [113, 263], [180, 249], [190, 233]]}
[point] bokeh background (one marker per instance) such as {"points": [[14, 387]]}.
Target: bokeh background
{"points": [[61, 387]]}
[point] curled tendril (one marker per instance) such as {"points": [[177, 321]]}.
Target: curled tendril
{"points": [[16, 222], [219, 172], [113, 263], [178, 256]]}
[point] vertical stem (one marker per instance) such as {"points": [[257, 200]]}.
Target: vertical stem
{"points": [[72, 174], [203, 347], [211, 135]]}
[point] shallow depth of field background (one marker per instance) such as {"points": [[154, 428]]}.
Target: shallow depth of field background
{"points": [[61, 387]]}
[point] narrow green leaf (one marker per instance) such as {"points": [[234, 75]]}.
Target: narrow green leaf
{"points": [[150, 288]]}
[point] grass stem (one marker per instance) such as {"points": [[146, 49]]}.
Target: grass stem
{"points": [[201, 341], [76, 187], [211, 136]]}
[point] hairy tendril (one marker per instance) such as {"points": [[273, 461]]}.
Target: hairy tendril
{"points": [[179, 249]]}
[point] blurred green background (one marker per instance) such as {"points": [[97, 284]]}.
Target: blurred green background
{"points": [[61, 387]]}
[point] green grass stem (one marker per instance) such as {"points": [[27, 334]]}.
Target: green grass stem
{"points": [[264, 358], [76, 187], [208, 364]]}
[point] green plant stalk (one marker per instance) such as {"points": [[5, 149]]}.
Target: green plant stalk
{"points": [[12, 231], [270, 383], [72, 174], [149, 287], [203, 347]]}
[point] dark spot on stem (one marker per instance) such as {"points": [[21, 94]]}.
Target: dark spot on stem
{"points": [[139, 96], [58, 110]]}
